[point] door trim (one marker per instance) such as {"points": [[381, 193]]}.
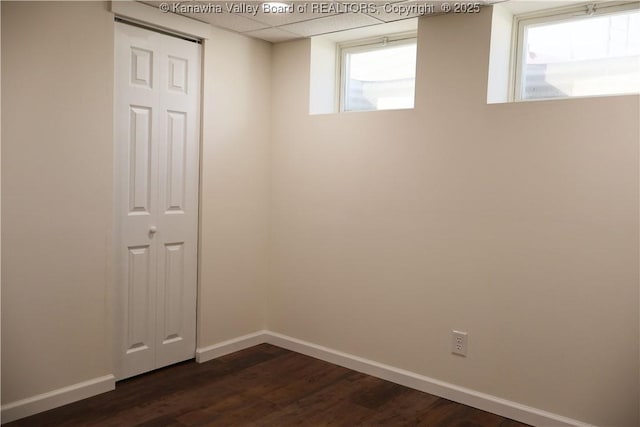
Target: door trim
{"points": [[152, 17], [155, 29]]}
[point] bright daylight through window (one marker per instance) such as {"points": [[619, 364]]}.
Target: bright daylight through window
{"points": [[594, 50], [378, 76]]}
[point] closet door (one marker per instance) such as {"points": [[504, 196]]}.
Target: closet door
{"points": [[157, 98]]}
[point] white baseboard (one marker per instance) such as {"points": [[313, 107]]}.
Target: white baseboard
{"points": [[53, 399], [483, 401], [230, 346]]}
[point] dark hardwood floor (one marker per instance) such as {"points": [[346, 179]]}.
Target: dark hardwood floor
{"points": [[263, 386]]}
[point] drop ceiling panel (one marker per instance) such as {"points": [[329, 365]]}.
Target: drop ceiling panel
{"points": [[297, 12], [215, 13], [405, 9], [157, 3], [331, 24], [273, 35], [229, 21]]}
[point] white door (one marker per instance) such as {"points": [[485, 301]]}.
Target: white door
{"points": [[157, 99]]}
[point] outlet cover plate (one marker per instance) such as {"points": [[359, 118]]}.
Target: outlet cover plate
{"points": [[459, 342]]}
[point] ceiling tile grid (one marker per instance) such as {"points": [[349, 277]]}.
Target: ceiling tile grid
{"points": [[298, 19]]}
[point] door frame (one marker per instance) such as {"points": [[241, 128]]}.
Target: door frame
{"points": [[168, 23]]}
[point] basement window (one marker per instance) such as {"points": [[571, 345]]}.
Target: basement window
{"points": [[589, 50], [378, 74]]}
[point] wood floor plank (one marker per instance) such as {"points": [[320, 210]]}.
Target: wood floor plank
{"points": [[405, 409], [262, 386], [329, 406], [446, 413], [375, 392], [237, 409]]}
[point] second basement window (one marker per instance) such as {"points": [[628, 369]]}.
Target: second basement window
{"points": [[378, 74], [585, 51]]}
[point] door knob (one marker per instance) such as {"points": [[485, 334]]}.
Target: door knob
{"points": [[153, 229]]}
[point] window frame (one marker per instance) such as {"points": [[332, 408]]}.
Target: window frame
{"points": [[561, 14], [366, 45]]}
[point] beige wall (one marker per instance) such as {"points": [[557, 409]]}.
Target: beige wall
{"points": [[57, 84], [234, 190], [515, 222]]}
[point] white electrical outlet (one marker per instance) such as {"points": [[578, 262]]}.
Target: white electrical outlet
{"points": [[459, 343]]}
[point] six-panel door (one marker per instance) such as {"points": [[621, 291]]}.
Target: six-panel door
{"points": [[157, 97]]}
